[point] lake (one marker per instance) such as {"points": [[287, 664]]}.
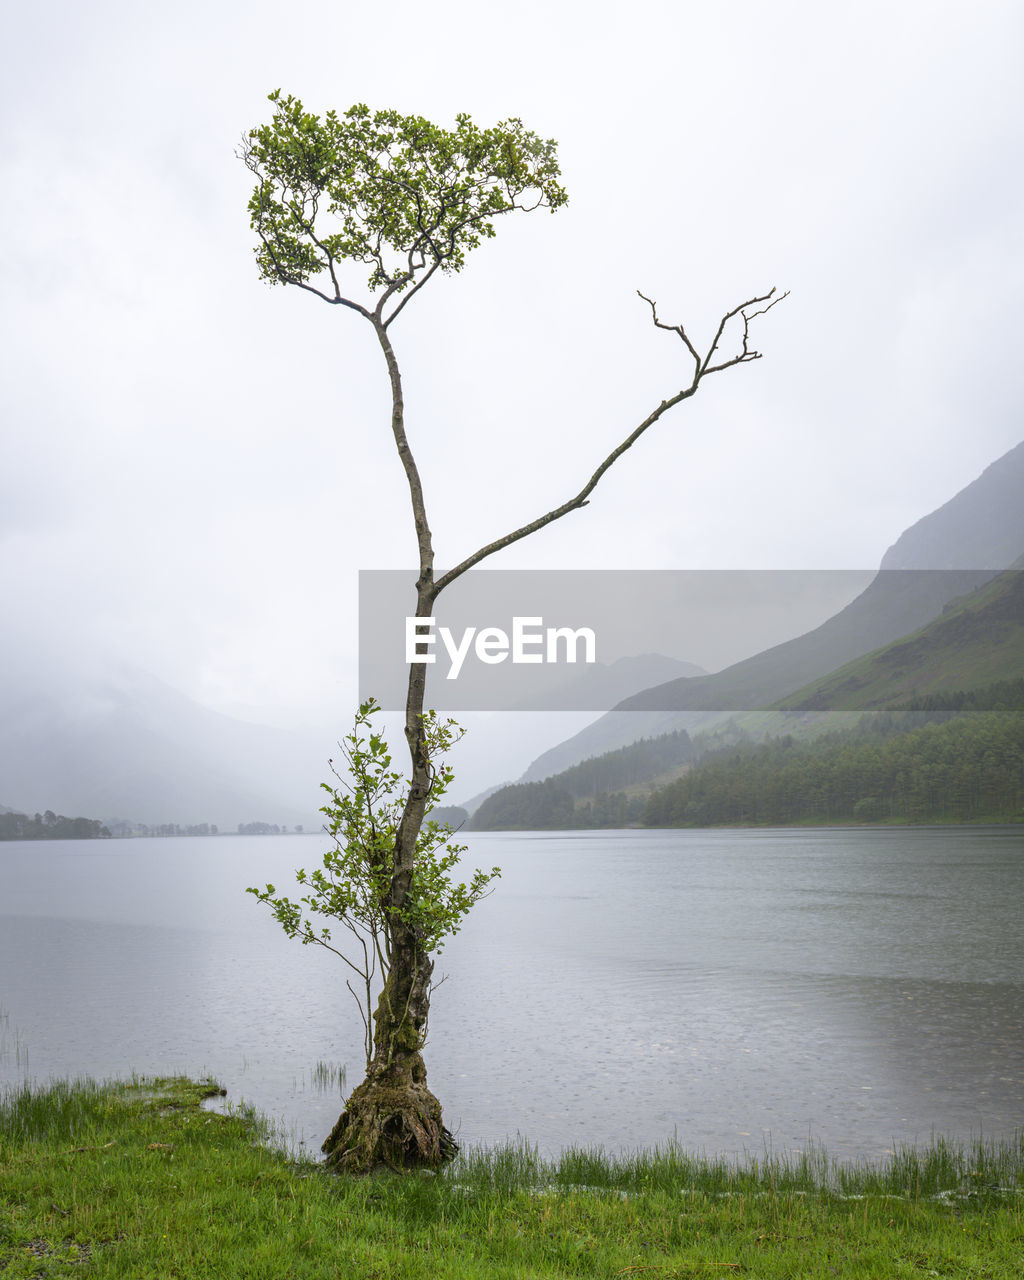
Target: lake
{"points": [[732, 989]]}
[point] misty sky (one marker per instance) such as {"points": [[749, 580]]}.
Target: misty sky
{"points": [[194, 466]]}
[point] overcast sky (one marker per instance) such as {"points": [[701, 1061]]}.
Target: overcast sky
{"points": [[194, 465]]}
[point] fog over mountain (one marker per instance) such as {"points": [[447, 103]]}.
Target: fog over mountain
{"points": [[981, 527], [95, 738], [195, 467], [115, 743], [82, 734], [945, 555]]}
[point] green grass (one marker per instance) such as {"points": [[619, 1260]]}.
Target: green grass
{"points": [[137, 1180]]}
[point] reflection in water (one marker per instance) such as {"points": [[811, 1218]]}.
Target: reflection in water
{"points": [[730, 988]]}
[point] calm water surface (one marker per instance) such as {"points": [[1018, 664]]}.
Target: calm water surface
{"points": [[730, 988]]}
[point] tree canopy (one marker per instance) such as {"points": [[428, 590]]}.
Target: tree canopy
{"points": [[397, 193]]}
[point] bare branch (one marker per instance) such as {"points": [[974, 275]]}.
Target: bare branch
{"points": [[745, 353], [407, 297], [672, 328], [311, 937], [703, 368], [367, 1033], [580, 500]]}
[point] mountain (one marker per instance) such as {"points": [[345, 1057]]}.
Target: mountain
{"points": [[977, 641], [945, 555], [896, 602], [971, 658], [605, 684], [474, 802], [601, 783], [121, 744], [981, 527]]}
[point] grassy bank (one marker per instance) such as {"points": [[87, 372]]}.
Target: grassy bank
{"points": [[137, 1180]]}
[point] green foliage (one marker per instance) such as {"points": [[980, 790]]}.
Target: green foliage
{"points": [[925, 760], [355, 882], [610, 809], [1001, 695], [549, 806], [895, 766], [526, 806], [625, 766], [393, 192]]}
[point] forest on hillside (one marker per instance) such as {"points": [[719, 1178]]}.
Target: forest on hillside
{"points": [[950, 757], [588, 794], [968, 767]]}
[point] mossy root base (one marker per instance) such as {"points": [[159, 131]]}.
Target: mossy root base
{"points": [[389, 1125]]}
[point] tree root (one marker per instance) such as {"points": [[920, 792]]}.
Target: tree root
{"points": [[390, 1124]]}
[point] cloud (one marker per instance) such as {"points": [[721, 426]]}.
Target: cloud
{"points": [[196, 465]]}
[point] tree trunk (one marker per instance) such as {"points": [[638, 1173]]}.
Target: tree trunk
{"points": [[392, 1119]]}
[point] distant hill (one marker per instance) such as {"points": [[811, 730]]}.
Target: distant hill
{"points": [[452, 814], [977, 641], [981, 527], [598, 782], [120, 743], [604, 684], [474, 802], [946, 555]]}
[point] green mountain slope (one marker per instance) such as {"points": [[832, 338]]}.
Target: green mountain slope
{"points": [[974, 649], [977, 641], [950, 552], [977, 644]]}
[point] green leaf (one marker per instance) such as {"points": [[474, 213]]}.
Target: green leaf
{"points": [[395, 193]]}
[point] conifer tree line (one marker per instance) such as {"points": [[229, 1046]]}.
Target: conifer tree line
{"points": [[953, 757], [966, 769], [589, 794]]}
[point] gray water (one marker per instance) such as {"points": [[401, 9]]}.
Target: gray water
{"points": [[732, 989]]}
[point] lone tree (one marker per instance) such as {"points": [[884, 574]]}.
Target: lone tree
{"points": [[407, 199]]}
